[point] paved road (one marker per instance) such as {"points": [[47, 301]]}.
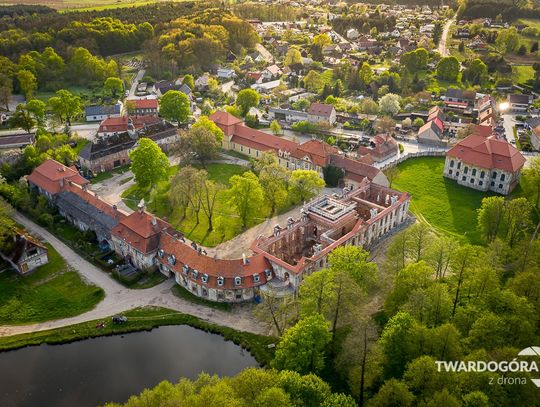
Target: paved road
{"points": [[134, 84], [119, 299], [443, 49]]}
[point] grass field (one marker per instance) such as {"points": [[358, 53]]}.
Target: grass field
{"points": [[84, 5], [522, 73], [139, 320], [450, 208], [53, 291], [158, 204]]}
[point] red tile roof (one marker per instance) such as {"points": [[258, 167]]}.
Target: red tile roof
{"points": [[489, 153], [141, 230], [145, 103], [320, 109], [120, 124], [260, 140], [354, 169], [228, 269], [224, 118], [49, 176], [318, 151]]}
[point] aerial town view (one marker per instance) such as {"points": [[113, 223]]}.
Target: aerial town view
{"points": [[270, 203]]}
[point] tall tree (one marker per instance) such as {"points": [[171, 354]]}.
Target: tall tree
{"points": [[22, 118], [274, 180], [149, 164], [305, 184], [65, 106], [448, 69], [114, 85], [27, 83], [491, 216], [301, 348], [174, 105], [246, 99], [246, 195]]}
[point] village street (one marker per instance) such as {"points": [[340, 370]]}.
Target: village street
{"points": [[119, 299], [443, 49]]}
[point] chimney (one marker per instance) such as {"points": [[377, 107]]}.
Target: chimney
{"points": [[244, 259]]}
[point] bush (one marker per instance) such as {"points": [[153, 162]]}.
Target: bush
{"points": [[304, 127], [401, 148]]}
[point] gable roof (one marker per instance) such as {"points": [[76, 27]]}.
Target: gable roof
{"points": [[260, 140], [99, 110], [50, 176], [145, 103], [321, 109], [490, 153], [318, 151], [141, 230], [354, 169], [221, 117]]}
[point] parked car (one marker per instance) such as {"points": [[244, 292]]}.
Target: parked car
{"points": [[119, 319]]}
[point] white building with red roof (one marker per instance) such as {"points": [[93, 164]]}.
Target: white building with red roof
{"points": [[484, 163], [321, 112]]}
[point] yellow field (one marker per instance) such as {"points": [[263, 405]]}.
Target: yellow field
{"points": [[82, 5]]}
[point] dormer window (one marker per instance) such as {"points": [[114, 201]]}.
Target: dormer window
{"points": [[195, 274], [237, 280], [256, 278], [204, 278], [161, 253], [185, 268], [268, 273], [220, 281], [172, 259]]}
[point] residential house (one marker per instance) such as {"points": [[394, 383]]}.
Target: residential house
{"points": [[226, 73], [321, 112], [519, 102], [143, 107], [460, 99], [484, 163], [266, 87], [381, 148], [432, 133], [271, 72], [533, 125], [162, 87], [97, 113], [25, 253], [201, 83]]}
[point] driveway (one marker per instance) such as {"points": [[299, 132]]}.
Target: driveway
{"points": [[509, 121], [119, 299], [135, 83]]}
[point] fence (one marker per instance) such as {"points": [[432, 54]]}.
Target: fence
{"points": [[428, 153]]}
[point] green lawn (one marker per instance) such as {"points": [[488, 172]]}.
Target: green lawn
{"points": [[52, 291], [102, 176], [158, 204], [522, 73], [448, 207]]}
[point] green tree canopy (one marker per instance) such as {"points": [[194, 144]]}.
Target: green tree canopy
{"points": [[174, 105], [246, 99], [149, 164], [302, 347]]}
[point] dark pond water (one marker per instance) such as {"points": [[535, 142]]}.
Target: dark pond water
{"points": [[94, 371]]}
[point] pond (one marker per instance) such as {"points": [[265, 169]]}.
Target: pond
{"points": [[94, 371]]}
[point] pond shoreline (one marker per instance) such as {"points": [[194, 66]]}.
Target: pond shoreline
{"points": [[141, 319]]}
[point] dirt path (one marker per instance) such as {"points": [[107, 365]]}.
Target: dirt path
{"points": [[119, 299], [443, 48]]}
